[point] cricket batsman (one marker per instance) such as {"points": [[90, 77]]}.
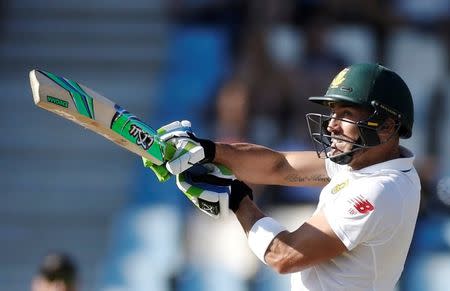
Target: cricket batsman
{"points": [[360, 233]]}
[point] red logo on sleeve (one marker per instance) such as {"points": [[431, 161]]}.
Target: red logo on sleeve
{"points": [[362, 205]]}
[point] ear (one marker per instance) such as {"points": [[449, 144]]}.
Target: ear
{"points": [[389, 124], [387, 129]]}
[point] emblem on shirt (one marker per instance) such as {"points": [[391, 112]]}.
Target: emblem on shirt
{"points": [[360, 204], [339, 187]]}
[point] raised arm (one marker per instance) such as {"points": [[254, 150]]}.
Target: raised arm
{"points": [[249, 162], [261, 165]]}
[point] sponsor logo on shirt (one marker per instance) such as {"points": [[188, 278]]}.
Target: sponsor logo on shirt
{"points": [[360, 204], [339, 187]]}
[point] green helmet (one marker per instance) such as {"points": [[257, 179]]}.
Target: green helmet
{"points": [[372, 85]]}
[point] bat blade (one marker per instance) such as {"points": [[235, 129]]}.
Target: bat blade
{"points": [[93, 111]]}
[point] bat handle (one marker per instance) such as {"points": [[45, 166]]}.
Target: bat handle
{"points": [[169, 151]]}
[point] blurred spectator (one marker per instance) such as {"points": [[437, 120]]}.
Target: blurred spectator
{"points": [[268, 89], [232, 112], [316, 67], [57, 272]]}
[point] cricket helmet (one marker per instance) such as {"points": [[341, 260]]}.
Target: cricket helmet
{"points": [[371, 86]]}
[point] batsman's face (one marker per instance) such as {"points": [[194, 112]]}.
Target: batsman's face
{"points": [[344, 131]]}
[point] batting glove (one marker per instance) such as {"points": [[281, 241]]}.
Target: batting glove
{"points": [[190, 150], [186, 150], [213, 189]]}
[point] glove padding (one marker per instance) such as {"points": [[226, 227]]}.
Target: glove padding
{"points": [[208, 186], [190, 150], [183, 151], [213, 189], [186, 150]]}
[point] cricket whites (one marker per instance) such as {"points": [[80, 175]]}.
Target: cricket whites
{"points": [[91, 110]]}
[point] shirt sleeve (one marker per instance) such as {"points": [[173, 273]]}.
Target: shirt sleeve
{"points": [[368, 213]]}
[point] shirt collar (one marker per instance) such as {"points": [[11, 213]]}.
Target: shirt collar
{"points": [[404, 163]]}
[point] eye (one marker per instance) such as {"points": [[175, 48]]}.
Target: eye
{"points": [[347, 113], [343, 114]]}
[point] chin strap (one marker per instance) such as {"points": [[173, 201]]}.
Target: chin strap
{"points": [[346, 158], [343, 159]]}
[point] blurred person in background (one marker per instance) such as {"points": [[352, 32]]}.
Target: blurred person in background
{"points": [[57, 272], [232, 111], [359, 236]]}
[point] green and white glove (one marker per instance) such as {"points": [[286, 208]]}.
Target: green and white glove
{"points": [[208, 186], [189, 150], [213, 189]]}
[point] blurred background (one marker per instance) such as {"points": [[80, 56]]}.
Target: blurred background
{"points": [[240, 71]]}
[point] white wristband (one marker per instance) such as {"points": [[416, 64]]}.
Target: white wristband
{"points": [[262, 234]]}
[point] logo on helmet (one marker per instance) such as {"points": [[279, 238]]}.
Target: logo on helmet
{"points": [[339, 78]]}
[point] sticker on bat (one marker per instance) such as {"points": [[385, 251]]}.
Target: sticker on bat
{"points": [[57, 101], [143, 139]]}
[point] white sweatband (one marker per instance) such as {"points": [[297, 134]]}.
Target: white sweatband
{"points": [[262, 234]]}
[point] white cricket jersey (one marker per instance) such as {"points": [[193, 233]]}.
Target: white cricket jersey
{"points": [[373, 211]]}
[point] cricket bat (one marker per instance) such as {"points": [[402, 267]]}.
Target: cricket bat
{"points": [[93, 111]]}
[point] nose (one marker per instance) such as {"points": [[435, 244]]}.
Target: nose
{"points": [[333, 125]]}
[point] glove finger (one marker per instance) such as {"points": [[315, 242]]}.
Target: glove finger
{"points": [[168, 136], [203, 190], [186, 160], [188, 189], [198, 170], [160, 171], [174, 129], [186, 123], [219, 170], [211, 173], [169, 127], [211, 179]]}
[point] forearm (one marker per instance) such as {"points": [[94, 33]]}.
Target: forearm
{"points": [[265, 243], [261, 165], [247, 214], [313, 242], [252, 163]]}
